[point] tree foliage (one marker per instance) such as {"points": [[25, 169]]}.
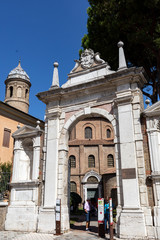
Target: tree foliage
{"points": [[75, 200], [137, 24], [5, 173], [5, 167]]}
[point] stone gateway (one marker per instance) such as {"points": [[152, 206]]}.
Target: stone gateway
{"points": [[94, 144]]}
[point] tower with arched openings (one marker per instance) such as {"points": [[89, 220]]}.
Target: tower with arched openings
{"points": [[17, 89]]}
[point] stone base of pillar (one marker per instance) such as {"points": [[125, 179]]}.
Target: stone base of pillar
{"points": [[21, 218], [46, 220], [132, 224], [65, 219], [149, 222], [157, 221], [118, 210]]}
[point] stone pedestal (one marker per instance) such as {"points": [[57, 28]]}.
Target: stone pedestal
{"points": [[132, 224], [22, 218], [46, 220], [3, 211], [157, 221], [23, 209]]}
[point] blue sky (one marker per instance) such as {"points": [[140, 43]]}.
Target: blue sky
{"points": [[40, 32]]}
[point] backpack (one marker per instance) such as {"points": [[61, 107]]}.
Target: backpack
{"points": [[106, 208]]}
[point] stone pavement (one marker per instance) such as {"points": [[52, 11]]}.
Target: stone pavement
{"points": [[76, 233], [72, 235]]}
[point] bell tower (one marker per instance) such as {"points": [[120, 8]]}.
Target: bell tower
{"points": [[17, 89]]}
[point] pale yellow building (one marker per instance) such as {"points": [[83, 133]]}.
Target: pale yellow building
{"points": [[14, 111], [10, 118]]}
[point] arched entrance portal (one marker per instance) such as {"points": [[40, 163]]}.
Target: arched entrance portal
{"points": [[92, 187], [92, 158], [87, 140]]}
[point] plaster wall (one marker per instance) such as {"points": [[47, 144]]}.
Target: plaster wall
{"points": [[6, 154]]}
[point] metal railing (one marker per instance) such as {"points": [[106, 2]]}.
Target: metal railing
{"points": [[4, 185]]}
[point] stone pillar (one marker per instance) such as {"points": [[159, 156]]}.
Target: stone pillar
{"points": [[132, 223], [154, 149], [17, 149], [63, 190], [46, 221], [36, 158], [153, 136], [100, 160], [51, 161], [81, 156]]}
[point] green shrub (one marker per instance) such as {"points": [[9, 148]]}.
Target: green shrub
{"points": [[5, 173]]}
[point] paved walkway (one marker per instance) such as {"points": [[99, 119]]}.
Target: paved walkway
{"points": [[76, 233], [72, 235]]}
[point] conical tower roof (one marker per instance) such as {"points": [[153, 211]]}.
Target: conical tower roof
{"points": [[18, 72]]}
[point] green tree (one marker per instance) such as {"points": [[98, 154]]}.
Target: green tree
{"points": [[5, 173], [137, 24]]}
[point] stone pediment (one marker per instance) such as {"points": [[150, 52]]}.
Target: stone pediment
{"points": [[87, 60], [26, 131], [88, 68], [153, 110]]}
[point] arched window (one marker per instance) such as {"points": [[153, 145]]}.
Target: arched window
{"points": [[91, 161], [73, 187], [88, 132], [26, 93], [110, 160], [72, 161], [11, 91], [108, 133]]}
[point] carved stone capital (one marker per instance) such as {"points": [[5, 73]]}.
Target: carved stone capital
{"points": [[53, 114], [155, 175], [123, 100], [153, 125]]}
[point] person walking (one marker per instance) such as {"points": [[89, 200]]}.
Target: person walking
{"points": [[106, 216], [87, 209]]}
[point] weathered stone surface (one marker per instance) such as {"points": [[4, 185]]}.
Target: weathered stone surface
{"points": [[3, 211]]}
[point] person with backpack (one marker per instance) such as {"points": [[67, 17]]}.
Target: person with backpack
{"points": [[87, 209], [106, 216]]}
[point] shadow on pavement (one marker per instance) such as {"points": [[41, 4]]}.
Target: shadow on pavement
{"points": [[80, 226]]}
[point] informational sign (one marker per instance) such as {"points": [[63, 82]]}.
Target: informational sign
{"points": [[101, 210], [111, 211], [58, 216]]}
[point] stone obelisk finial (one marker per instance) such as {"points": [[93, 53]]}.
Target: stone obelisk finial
{"points": [[55, 81], [122, 60]]}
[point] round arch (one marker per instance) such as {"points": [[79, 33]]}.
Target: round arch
{"points": [[63, 148], [91, 174], [86, 112]]}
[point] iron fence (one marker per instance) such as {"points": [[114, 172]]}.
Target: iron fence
{"points": [[4, 185]]}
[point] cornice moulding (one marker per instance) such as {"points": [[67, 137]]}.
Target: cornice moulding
{"points": [[24, 184], [131, 75], [123, 100], [18, 115], [53, 114], [17, 80]]}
